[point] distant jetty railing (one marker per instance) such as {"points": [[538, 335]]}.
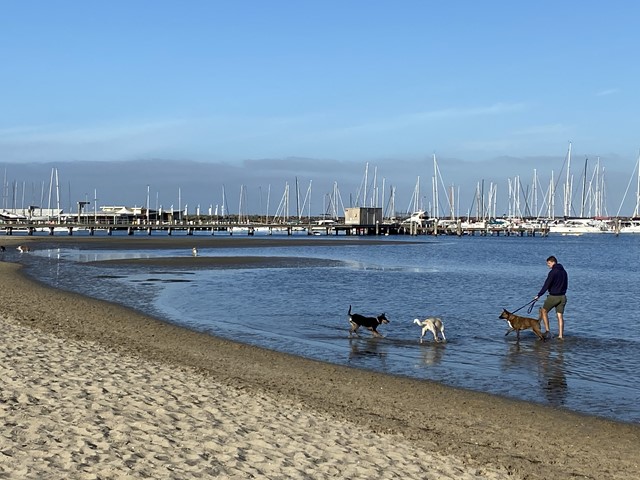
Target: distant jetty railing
{"points": [[190, 228]]}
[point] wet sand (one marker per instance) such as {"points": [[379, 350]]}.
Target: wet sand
{"points": [[91, 389]]}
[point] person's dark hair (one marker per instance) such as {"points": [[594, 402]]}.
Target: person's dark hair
{"points": [[552, 259]]}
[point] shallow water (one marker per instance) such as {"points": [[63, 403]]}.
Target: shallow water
{"points": [[465, 281]]}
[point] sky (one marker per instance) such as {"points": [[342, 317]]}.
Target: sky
{"points": [[187, 99]]}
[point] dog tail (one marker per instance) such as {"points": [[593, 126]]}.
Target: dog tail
{"points": [[349, 313]]}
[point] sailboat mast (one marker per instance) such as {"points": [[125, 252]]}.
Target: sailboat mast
{"points": [[224, 203], [435, 187], [636, 211], [584, 188], [57, 196], [535, 192], [297, 200], [567, 186], [268, 200], [50, 188], [453, 202], [552, 199], [240, 204], [374, 194]]}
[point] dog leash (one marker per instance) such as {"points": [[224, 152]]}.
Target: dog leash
{"points": [[531, 304]]}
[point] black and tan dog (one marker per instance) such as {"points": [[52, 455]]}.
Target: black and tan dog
{"points": [[517, 323], [370, 323]]}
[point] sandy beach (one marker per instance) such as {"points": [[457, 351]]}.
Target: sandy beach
{"points": [[90, 390]]}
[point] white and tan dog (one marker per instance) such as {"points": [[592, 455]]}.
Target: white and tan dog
{"points": [[433, 325]]}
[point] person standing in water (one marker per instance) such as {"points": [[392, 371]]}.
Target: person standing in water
{"points": [[556, 284]]}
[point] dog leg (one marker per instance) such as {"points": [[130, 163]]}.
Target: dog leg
{"points": [[435, 336], [509, 331], [536, 330], [375, 333], [424, 332], [354, 329], [444, 339]]}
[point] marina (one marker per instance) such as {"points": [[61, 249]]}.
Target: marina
{"points": [[524, 215], [412, 226]]}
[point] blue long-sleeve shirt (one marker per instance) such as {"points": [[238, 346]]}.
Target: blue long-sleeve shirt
{"points": [[557, 281]]}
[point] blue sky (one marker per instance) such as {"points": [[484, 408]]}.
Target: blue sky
{"points": [[493, 88]]}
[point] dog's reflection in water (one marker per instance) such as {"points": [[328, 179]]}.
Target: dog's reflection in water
{"points": [[523, 355], [362, 348], [432, 353], [547, 362]]}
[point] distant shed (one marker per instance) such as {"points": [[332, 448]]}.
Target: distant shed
{"points": [[363, 216]]}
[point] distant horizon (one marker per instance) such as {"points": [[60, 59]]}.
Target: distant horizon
{"points": [[132, 183]]}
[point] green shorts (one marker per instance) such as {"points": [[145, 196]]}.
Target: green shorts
{"points": [[555, 301]]}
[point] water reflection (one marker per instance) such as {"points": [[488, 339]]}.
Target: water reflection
{"points": [[522, 354], [544, 359], [366, 348], [551, 375], [432, 353]]}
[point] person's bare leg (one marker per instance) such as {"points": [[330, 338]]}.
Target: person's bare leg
{"points": [[545, 320], [560, 325]]}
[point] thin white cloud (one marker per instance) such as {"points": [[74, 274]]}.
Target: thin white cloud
{"points": [[416, 119], [57, 134], [495, 109], [608, 91], [489, 146], [535, 130]]}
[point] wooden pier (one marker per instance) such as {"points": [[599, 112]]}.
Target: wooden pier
{"points": [[269, 229]]}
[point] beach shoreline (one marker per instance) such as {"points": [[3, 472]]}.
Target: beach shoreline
{"points": [[470, 434]]}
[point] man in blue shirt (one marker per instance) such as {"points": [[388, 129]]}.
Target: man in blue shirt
{"points": [[556, 283]]}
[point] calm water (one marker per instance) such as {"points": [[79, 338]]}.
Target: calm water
{"points": [[465, 281]]}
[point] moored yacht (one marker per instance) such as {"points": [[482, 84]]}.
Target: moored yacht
{"points": [[630, 226], [578, 226]]}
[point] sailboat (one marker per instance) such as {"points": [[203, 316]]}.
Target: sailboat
{"points": [[630, 226], [633, 225]]}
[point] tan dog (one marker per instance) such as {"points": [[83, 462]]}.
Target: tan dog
{"points": [[433, 325], [517, 323]]}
